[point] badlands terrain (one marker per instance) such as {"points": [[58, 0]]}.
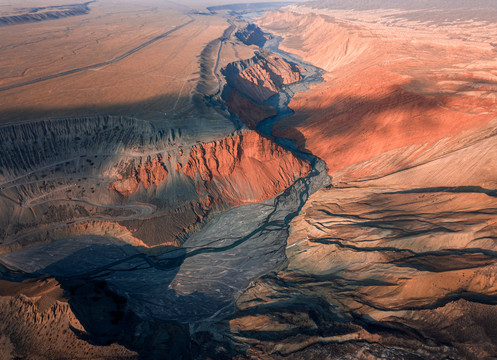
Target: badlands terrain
{"points": [[312, 180]]}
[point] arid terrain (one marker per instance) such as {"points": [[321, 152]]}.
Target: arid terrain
{"points": [[193, 180]]}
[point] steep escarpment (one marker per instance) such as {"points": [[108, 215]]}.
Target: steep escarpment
{"points": [[261, 77], [128, 179], [252, 35], [253, 81], [243, 169], [27, 15], [152, 171]]}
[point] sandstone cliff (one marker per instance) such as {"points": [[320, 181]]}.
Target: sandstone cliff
{"points": [[244, 168], [152, 172], [262, 76], [253, 81]]}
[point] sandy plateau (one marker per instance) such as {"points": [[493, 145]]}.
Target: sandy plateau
{"points": [[248, 181]]}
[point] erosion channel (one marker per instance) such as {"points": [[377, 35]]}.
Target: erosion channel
{"points": [[175, 293]]}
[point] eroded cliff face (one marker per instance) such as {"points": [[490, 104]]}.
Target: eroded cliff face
{"points": [[152, 172], [262, 76], [235, 170], [243, 169], [253, 81]]}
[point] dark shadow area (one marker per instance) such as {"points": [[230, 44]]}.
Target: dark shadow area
{"points": [[125, 297], [150, 108], [449, 189], [362, 109], [99, 289]]}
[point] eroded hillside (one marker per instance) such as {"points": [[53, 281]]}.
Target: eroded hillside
{"points": [[125, 189], [318, 185]]}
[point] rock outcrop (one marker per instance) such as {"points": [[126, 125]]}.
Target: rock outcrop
{"points": [[152, 172], [262, 76], [252, 35], [244, 168], [253, 81]]}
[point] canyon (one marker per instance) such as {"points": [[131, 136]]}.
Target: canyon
{"points": [[311, 180]]}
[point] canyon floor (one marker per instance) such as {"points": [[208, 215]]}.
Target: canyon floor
{"points": [[313, 180]]}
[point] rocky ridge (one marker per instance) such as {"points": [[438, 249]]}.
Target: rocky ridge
{"points": [[28, 15]]}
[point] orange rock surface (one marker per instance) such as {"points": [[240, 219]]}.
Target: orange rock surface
{"points": [[151, 173], [244, 168], [264, 79], [422, 90]]}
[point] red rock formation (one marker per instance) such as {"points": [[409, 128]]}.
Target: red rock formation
{"points": [[151, 172], [264, 78], [244, 168]]}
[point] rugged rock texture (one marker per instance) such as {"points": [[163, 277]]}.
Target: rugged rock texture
{"points": [[262, 76], [253, 81], [243, 169], [152, 172], [127, 172], [252, 35]]}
